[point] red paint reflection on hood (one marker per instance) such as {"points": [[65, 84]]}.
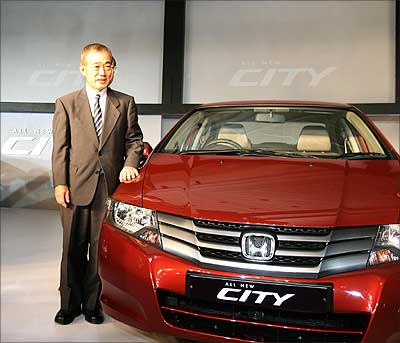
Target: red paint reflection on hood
{"points": [[281, 191]]}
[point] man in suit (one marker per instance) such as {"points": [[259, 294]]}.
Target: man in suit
{"points": [[97, 142]]}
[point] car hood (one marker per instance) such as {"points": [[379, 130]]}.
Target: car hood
{"points": [[274, 190]]}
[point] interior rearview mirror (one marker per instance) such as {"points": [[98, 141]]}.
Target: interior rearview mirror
{"points": [[270, 117]]}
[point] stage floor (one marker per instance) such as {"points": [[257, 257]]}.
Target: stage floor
{"points": [[31, 243]]}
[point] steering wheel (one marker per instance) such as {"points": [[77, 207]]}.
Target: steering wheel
{"points": [[223, 141]]}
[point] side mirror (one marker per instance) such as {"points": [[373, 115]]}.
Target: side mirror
{"points": [[147, 149]]}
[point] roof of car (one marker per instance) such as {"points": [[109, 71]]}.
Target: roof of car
{"points": [[276, 102]]}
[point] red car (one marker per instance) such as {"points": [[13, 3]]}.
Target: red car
{"points": [[260, 222]]}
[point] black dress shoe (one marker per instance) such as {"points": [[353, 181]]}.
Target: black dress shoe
{"points": [[66, 317], [94, 317]]}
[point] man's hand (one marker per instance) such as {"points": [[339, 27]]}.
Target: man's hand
{"points": [[128, 174], [61, 192]]}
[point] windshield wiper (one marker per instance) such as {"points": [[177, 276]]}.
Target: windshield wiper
{"points": [[247, 152], [263, 152], [210, 152], [363, 156]]}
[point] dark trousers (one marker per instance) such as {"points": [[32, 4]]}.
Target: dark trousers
{"points": [[80, 283]]}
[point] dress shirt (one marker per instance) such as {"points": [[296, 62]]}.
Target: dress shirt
{"points": [[92, 100]]}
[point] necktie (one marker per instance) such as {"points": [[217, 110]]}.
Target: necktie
{"points": [[98, 116]]}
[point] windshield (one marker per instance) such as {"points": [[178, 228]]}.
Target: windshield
{"points": [[285, 131]]}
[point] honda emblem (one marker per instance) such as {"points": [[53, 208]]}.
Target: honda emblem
{"points": [[258, 246]]}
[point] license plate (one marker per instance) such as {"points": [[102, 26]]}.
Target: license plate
{"points": [[249, 292]]}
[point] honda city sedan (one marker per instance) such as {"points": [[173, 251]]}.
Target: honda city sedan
{"points": [[260, 222]]}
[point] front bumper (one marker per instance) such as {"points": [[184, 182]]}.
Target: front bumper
{"points": [[146, 288]]}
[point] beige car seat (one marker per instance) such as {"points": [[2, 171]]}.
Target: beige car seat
{"points": [[314, 138], [235, 132]]}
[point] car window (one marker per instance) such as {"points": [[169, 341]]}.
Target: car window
{"points": [[290, 131]]}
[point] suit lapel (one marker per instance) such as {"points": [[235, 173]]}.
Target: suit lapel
{"points": [[85, 116], [111, 116]]}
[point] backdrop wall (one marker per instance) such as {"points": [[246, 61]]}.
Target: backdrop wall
{"points": [[41, 43], [341, 51]]}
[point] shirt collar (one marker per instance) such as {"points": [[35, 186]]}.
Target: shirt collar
{"points": [[92, 94]]}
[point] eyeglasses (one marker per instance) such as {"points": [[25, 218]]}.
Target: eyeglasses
{"points": [[95, 68]]}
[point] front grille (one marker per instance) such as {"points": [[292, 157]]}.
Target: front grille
{"points": [[282, 244], [255, 324], [302, 245], [279, 260], [217, 239], [306, 252], [280, 229]]}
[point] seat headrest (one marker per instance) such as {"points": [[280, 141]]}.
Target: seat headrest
{"points": [[314, 138], [235, 132]]}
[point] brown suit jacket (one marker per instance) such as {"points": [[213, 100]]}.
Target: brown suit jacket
{"points": [[79, 157]]}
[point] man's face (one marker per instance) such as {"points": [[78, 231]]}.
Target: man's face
{"points": [[98, 70]]}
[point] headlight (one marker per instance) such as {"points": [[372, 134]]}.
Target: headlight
{"points": [[137, 221], [387, 245]]}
